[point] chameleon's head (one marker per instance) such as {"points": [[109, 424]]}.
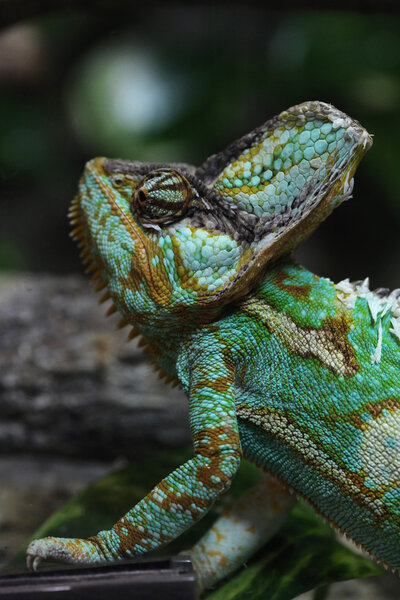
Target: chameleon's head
{"points": [[172, 237]]}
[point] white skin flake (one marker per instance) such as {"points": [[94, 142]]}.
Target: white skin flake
{"points": [[377, 355], [152, 226], [349, 292], [395, 328]]}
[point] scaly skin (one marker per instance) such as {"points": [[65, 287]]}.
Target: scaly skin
{"points": [[294, 372]]}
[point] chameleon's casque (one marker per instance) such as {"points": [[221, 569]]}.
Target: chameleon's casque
{"points": [[294, 372]]}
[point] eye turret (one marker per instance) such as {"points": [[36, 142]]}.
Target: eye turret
{"points": [[162, 196]]}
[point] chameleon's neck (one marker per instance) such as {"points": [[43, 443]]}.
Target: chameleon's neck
{"points": [[157, 322], [164, 332], [161, 322], [294, 290]]}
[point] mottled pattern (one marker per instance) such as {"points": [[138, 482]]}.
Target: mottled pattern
{"points": [[240, 531], [297, 373], [302, 148]]}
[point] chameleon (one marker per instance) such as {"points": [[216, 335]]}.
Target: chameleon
{"points": [[285, 368]]}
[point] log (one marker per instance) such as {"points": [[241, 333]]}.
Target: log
{"points": [[70, 383]]}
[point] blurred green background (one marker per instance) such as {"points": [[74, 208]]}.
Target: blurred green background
{"points": [[177, 84]]}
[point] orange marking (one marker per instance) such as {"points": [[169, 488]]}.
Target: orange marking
{"points": [[214, 553], [218, 535], [223, 561], [251, 529]]}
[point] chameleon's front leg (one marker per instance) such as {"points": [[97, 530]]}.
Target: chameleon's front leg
{"points": [[185, 495], [241, 530]]}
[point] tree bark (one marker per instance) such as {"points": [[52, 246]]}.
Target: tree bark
{"points": [[70, 384]]}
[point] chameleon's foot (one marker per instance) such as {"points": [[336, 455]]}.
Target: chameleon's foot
{"points": [[64, 550]]}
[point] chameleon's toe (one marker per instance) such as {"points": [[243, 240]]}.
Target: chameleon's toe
{"points": [[32, 561], [64, 550], [37, 551]]}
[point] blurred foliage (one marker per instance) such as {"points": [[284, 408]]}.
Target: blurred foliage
{"points": [[305, 554], [181, 83]]}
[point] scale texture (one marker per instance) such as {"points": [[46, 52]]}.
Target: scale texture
{"points": [[292, 371]]}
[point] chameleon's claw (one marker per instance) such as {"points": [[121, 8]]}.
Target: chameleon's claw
{"points": [[33, 562], [33, 556]]}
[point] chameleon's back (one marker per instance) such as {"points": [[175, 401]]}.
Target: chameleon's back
{"points": [[321, 408]]}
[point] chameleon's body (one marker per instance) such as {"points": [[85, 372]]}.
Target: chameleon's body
{"points": [[298, 374]]}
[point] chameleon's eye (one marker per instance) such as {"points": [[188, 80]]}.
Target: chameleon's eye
{"points": [[162, 196], [141, 198]]}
